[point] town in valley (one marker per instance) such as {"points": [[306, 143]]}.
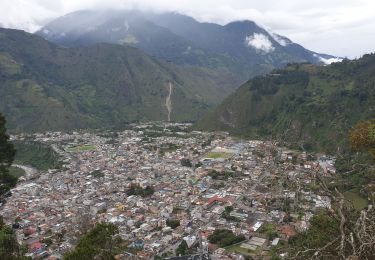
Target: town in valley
{"points": [[164, 185]]}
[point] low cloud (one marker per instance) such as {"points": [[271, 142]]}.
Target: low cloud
{"points": [[260, 42], [280, 39], [319, 25], [328, 61]]}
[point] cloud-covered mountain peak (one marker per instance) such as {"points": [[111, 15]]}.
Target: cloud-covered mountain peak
{"points": [[242, 47], [260, 42]]}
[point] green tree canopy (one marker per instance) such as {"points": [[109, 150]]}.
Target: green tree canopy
{"points": [[7, 153], [98, 243], [342, 232], [362, 136], [224, 237], [173, 223], [182, 249], [9, 247]]}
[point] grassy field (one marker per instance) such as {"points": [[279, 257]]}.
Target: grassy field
{"points": [[168, 148], [358, 201], [16, 172], [37, 155], [216, 155], [82, 148], [238, 249]]}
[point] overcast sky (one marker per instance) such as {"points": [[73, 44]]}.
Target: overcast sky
{"points": [[338, 27]]}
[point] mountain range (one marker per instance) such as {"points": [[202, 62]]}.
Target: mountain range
{"points": [[48, 87], [103, 69], [241, 47]]}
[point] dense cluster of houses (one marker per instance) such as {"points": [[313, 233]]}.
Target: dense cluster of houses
{"points": [[252, 188]]}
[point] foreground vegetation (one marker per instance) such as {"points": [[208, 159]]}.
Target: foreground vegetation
{"points": [[354, 197], [9, 247], [345, 232], [101, 242], [7, 153]]}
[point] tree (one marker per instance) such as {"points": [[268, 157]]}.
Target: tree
{"points": [[224, 237], [139, 191], [186, 162], [270, 230], [361, 170], [173, 223], [315, 238], [228, 209], [9, 247], [226, 214], [362, 136], [98, 243], [7, 153], [341, 232], [182, 248]]}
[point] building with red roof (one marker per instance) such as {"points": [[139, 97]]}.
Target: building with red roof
{"points": [[212, 201]]}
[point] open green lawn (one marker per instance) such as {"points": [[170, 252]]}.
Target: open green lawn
{"points": [[169, 148], [216, 155], [358, 202], [16, 172], [239, 249], [82, 148]]}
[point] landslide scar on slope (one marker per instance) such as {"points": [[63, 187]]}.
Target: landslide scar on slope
{"points": [[168, 101]]}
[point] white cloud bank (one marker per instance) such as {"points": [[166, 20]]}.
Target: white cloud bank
{"points": [[280, 39], [338, 27], [328, 61], [260, 42]]}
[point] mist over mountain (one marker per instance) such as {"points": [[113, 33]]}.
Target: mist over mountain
{"points": [[95, 69], [240, 47]]}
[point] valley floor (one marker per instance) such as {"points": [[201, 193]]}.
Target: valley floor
{"points": [[157, 173]]}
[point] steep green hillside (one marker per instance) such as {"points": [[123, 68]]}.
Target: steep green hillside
{"points": [[305, 105], [37, 155], [47, 87]]}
